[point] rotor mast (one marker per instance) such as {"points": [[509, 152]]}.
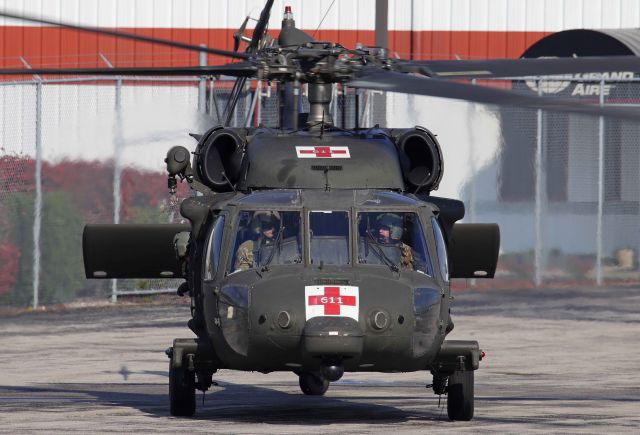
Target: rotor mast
{"points": [[319, 94], [319, 100]]}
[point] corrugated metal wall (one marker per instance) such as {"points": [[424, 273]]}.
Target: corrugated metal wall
{"points": [[418, 28]]}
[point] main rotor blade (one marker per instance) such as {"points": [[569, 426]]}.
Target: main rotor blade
{"points": [[261, 26], [124, 35], [405, 83], [240, 69], [493, 68]]}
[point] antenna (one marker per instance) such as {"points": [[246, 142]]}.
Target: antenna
{"points": [[322, 20]]}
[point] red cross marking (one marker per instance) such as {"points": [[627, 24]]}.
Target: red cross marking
{"points": [[323, 151], [332, 300]]}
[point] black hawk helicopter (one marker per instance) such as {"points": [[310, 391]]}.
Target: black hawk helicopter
{"points": [[311, 248]]}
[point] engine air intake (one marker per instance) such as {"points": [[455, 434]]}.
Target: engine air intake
{"points": [[422, 163], [219, 158]]}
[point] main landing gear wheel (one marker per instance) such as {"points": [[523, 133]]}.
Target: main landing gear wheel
{"points": [[313, 384], [460, 395], [182, 391]]}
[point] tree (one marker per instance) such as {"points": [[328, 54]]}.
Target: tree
{"points": [[61, 270]]}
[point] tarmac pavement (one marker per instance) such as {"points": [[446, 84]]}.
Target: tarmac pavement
{"points": [[558, 361]]}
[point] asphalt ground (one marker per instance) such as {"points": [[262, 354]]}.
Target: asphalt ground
{"points": [[558, 361]]}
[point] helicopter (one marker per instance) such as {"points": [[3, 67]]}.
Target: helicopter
{"points": [[311, 248]]}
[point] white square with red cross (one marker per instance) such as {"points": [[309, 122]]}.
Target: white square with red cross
{"points": [[323, 152], [331, 300]]}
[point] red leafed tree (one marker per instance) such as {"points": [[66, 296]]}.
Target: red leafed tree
{"points": [[10, 261], [73, 192]]}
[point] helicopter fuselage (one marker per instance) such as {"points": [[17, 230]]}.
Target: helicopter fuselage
{"points": [[318, 305], [316, 252]]}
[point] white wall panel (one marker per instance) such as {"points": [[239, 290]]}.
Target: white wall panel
{"points": [[592, 14], [126, 14], [108, 14], [516, 15], [572, 14], [307, 17], [534, 15], [143, 13], [218, 14], [498, 16], [33, 5], [399, 14], [13, 6], [162, 13], [479, 15], [422, 15], [629, 13], [70, 11], [199, 13], [611, 14], [332, 20], [348, 15], [441, 13], [553, 16], [180, 14], [366, 15], [88, 12], [460, 15], [51, 8], [237, 11]]}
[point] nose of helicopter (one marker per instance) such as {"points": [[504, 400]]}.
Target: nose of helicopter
{"points": [[312, 323], [328, 337]]}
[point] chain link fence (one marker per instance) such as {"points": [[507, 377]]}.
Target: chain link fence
{"points": [[564, 188]]}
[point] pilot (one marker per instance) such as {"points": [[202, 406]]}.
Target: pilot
{"points": [[388, 234], [266, 225]]}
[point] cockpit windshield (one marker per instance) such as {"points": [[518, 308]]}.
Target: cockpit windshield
{"points": [[394, 239], [329, 237], [267, 238]]}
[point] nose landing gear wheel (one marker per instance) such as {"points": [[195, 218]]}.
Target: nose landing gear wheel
{"points": [[460, 395], [313, 384], [182, 391]]}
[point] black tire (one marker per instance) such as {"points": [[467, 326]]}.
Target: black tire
{"points": [[182, 391], [460, 396], [313, 384]]}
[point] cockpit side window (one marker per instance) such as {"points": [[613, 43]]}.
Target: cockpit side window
{"points": [[394, 239], [441, 249], [214, 246], [329, 237], [265, 238]]}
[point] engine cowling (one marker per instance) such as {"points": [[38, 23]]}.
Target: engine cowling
{"points": [[218, 158], [421, 159]]}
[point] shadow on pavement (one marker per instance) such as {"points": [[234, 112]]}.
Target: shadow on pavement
{"points": [[229, 403]]}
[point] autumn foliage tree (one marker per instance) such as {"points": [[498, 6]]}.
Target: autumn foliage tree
{"points": [[74, 193]]}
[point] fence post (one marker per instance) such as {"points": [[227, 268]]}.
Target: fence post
{"points": [[370, 99], [213, 100], [259, 103], [471, 113], [539, 178], [202, 85], [37, 209], [117, 173], [600, 190], [252, 108]]}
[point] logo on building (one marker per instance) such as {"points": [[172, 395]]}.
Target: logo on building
{"points": [[579, 85]]}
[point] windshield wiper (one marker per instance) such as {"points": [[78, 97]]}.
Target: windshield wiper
{"points": [[276, 245], [377, 250]]}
